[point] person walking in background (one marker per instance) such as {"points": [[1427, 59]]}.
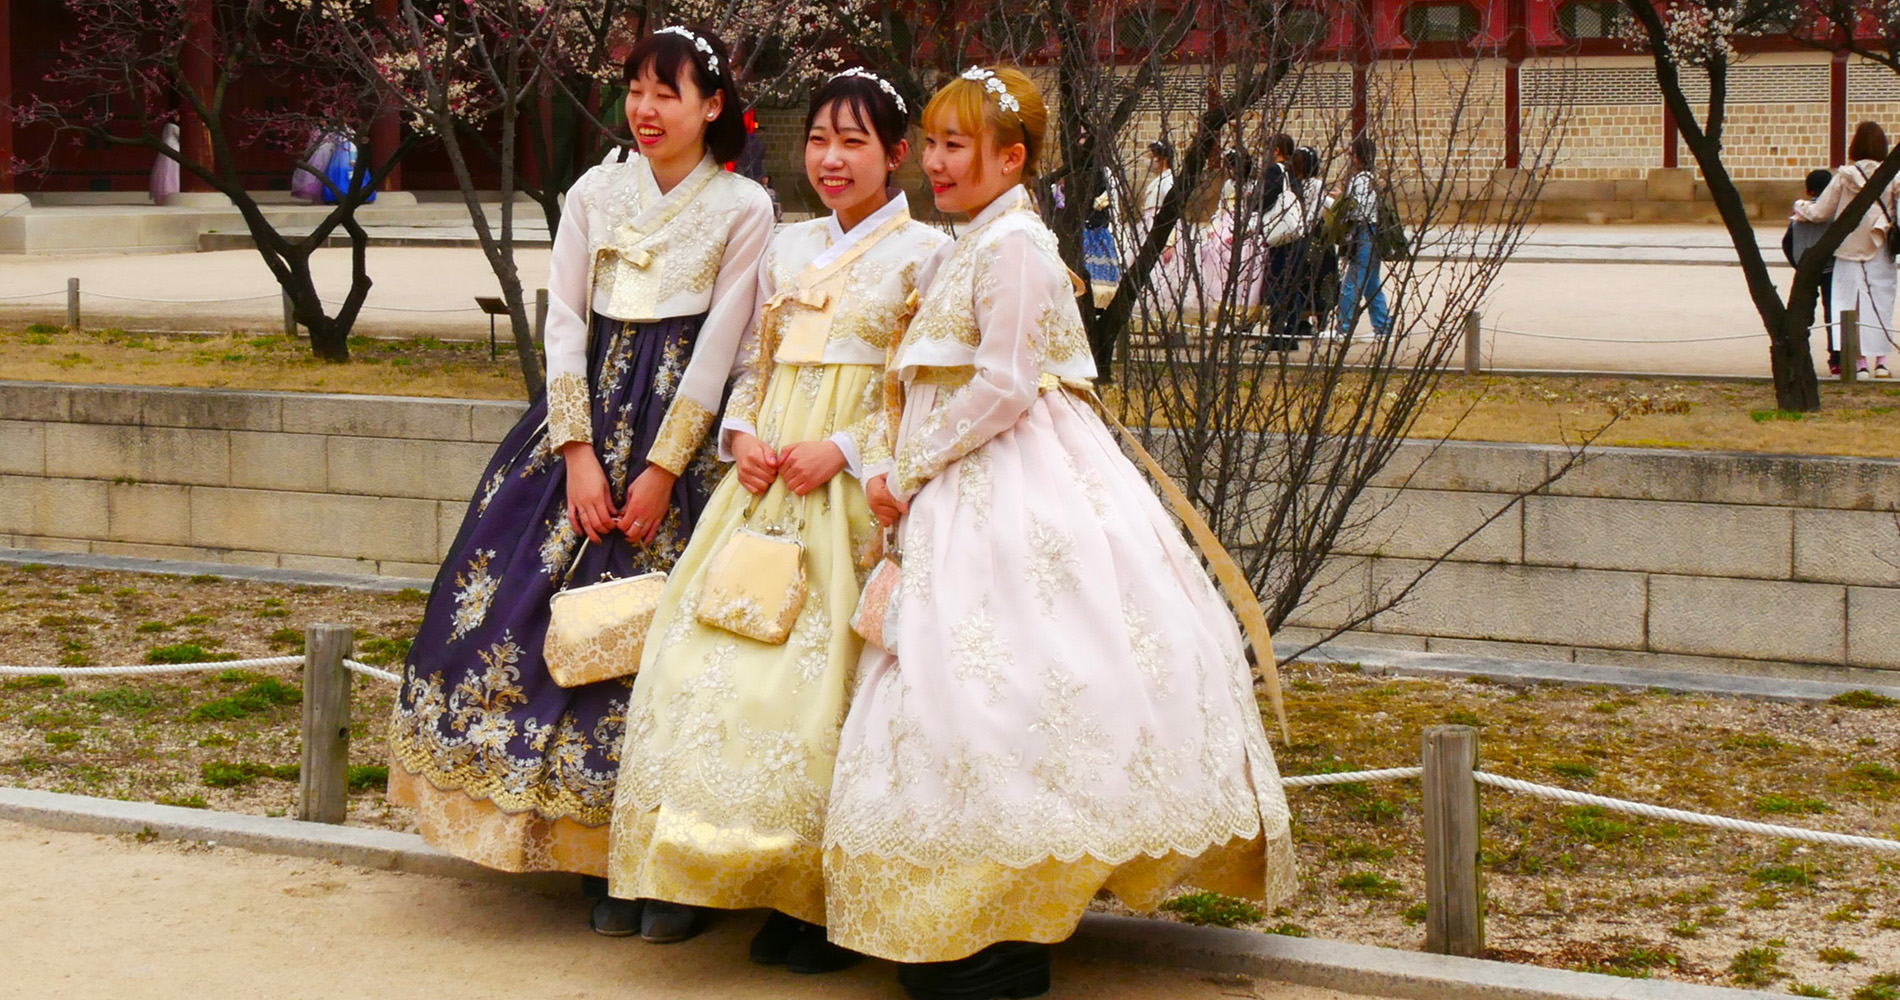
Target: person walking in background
{"points": [[1863, 268], [1795, 243], [1153, 194], [1294, 257], [165, 169], [1360, 190]]}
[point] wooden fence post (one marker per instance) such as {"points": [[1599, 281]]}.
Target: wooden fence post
{"points": [[1454, 905], [72, 303], [1850, 345], [1474, 344], [323, 778]]}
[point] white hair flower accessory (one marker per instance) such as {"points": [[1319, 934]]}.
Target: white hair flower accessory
{"points": [[994, 85], [705, 47], [882, 84]]}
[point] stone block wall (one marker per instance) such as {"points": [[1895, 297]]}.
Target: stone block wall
{"points": [[345, 484], [1638, 557], [1685, 560]]}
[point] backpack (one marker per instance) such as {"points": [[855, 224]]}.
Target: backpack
{"points": [[1388, 234]]}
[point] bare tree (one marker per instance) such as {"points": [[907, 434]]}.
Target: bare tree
{"points": [[132, 65], [1695, 39]]}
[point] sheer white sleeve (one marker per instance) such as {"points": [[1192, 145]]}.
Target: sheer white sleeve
{"points": [[569, 402]]}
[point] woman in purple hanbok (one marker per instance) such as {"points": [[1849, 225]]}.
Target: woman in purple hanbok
{"points": [[652, 286]]}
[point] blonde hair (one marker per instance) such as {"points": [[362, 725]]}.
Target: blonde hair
{"points": [[968, 106]]}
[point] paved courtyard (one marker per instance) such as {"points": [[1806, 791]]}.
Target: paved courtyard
{"points": [[1593, 298], [97, 916]]}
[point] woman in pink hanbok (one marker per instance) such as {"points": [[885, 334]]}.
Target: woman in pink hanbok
{"points": [[1068, 707]]}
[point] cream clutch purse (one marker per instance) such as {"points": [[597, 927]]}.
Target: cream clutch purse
{"points": [[755, 584], [597, 632], [875, 620]]}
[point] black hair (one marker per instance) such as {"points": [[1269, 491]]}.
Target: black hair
{"points": [[668, 54], [1282, 144], [1365, 152], [1304, 163], [1160, 148], [1817, 182], [875, 109]]}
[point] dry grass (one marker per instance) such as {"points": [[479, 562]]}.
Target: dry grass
{"points": [[1565, 887], [1861, 420]]}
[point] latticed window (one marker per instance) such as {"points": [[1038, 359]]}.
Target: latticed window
{"points": [[1440, 22], [1304, 26], [1588, 18]]}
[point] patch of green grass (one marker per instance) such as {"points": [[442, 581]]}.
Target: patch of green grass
{"points": [[1838, 956], [185, 652], [259, 697], [204, 578], [129, 701], [1594, 825], [1212, 908], [288, 639], [32, 683], [197, 619], [63, 740], [407, 595], [1358, 850], [1414, 913], [149, 628], [1636, 963], [1376, 811], [1764, 416], [1863, 699], [1368, 884], [216, 740], [1756, 966], [42, 328], [1774, 804], [237, 677], [1885, 986], [1807, 990], [90, 588], [1783, 875], [1460, 717], [1751, 741], [1288, 930], [363, 777], [236, 774], [1574, 769], [1688, 929], [1888, 923], [30, 568], [188, 801], [126, 592], [380, 652]]}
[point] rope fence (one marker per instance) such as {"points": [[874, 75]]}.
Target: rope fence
{"points": [[1448, 775]]}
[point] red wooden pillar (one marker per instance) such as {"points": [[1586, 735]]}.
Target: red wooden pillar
{"points": [[198, 60], [385, 133], [1362, 49], [1516, 47], [1836, 109], [6, 96], [1669, 139]]}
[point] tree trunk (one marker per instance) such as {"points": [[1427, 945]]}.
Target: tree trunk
{"points": [[1797, 389]]}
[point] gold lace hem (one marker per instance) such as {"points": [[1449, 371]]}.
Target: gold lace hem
{"points": [[680, 434], [675, 856], [479, 831], [895, 910]]}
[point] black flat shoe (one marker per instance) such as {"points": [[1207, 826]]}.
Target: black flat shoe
{"points": [[772, 945], [662, 922], [1013, 969], [815, 954], [615, 917]]}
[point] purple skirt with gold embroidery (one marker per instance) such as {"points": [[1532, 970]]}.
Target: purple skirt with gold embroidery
{"points": [[501, 765]]}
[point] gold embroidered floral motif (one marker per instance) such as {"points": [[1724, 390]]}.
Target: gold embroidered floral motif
{"points": [[570, 415], [557, 546], [977, 655], [474, 589], [490, 488], [1052, 562], [680, 434]]}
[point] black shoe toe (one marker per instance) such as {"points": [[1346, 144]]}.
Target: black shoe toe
{"points": [[615, 917], [772, 945]]}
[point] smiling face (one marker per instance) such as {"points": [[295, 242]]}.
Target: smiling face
{"points": [[968, 172], [846, 162], [669, 123]]}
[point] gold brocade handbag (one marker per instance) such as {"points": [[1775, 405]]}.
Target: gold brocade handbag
{"points": [[597, 632], [875, 620], [755, 584]]}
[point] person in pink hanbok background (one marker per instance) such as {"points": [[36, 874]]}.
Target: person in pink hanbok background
{"points": [[1069, 708], [164, 168]]}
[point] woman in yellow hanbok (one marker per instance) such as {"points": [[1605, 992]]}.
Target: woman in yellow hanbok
{"points": [[731, 739]]}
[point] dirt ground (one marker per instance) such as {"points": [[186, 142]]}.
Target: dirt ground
{"points": [[1566, 887], [1734, 415], [88, 916]]}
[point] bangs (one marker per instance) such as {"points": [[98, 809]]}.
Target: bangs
{"points": [[668, 56], [958, 106]]}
